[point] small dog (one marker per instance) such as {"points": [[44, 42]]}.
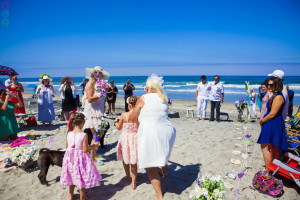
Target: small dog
{"points": [[46, 158]]}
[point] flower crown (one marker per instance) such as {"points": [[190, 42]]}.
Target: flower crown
{"points": [[158, 78], [42, 75]]}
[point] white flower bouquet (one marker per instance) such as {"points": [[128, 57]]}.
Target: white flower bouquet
{"points": [[23, 155], [209, 187]]}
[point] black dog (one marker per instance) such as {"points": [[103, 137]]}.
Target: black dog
{"points": [[46, 158]]}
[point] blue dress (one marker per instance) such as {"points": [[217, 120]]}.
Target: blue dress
{"points": [[274, 131]]}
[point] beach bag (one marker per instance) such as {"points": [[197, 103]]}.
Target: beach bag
{"points": [[31, 121], [267, 184]]}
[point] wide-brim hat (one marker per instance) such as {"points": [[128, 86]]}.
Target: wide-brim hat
{"points": [[105, 74], [62, 81], [45, 78]]}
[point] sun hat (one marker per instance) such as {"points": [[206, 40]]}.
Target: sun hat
{"points": [[88, 72], [45, 77], [62, 81], [278, 74]]}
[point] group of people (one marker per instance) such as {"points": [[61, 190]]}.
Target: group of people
{"points": [[145, 125], [214, 92]]}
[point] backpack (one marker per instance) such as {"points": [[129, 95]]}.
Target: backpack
{"points": [[267, 184], [31, 121]]}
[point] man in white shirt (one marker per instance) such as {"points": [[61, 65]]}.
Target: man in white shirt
{"points": [[8, 81], [201, 97], [216, 98], [280, 74]]}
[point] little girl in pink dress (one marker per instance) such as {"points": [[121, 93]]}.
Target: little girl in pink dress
{"points": [[127, 145], [78, 167]]}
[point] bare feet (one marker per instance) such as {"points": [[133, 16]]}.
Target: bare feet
{"points": [[198, 119], [156, 197], [128, 178], [70, 197], [133, 185], [203, 119]]}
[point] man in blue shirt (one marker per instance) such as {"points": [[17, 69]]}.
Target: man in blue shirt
{"points": [[291, 97]]}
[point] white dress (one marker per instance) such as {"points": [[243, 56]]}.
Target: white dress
{"points": [[156, 134], [93, 112]]}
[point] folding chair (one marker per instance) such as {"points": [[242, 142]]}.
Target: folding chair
{"points": [[21, 119], [289, 169], [293, 139], [32, 104]]}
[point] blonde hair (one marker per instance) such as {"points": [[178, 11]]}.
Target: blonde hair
{"points": [[156, 87], [76, 119]]}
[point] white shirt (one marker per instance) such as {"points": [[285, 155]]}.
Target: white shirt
{"points": [[216, 91], [7, 82], [203, 90]]}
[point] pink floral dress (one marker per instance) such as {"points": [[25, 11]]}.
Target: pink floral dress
{"points": [[78, 167], [127, 145]]}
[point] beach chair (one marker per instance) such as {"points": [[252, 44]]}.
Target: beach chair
{"points": [[294, 121], [293, 139], [21, 119], [32, 104], [289, 169]]}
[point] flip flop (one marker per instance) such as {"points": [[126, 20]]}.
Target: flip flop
{"points": [[99, 163]]}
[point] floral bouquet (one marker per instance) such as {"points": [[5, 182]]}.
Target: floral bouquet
{"points": [[101, 86], [241, 105], [103, 128], [23, 155], [208, 187]]}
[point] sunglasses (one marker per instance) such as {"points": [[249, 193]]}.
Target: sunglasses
{"points": [[98, 72], [271, 85]]}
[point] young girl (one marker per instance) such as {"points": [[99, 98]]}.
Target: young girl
{"points": [[127, 145], [78, 167]]}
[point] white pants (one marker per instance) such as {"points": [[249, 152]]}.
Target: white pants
{"points": [[253, 109], [201, 104]]}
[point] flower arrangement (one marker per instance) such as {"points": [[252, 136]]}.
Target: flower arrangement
{"points": [[208, 187], [23, 154], [241, 105], [101, 86], [103, 127]]}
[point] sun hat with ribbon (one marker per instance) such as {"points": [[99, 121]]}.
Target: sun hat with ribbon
{"points": [[88, 72], [64, 79], [45, 77]]}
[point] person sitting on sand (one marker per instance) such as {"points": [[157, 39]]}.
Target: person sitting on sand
{"points": [[8, 122], [127, 145], [201, 97], [78, 168]]}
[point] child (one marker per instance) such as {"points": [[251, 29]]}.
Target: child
{"points": [[78, 167], [127, 145]]}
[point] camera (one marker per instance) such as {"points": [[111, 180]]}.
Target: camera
{"points": [[68, 82]]}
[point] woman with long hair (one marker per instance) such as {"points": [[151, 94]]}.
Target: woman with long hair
{"points": [[111, 97], [273, 136], [156, 134], [93, 102], [16, 88]]}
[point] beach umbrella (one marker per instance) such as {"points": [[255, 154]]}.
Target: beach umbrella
{"points": [[7, 71]]}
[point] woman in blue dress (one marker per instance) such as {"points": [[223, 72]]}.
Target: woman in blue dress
{"points": [[273, 136]]}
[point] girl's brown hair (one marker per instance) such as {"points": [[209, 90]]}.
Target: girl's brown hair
{"points": [[278, 87], [132, 100], [76, 119]]}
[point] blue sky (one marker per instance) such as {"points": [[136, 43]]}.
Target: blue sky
{"points": [[232, 37]]}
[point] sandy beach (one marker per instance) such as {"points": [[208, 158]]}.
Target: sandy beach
{"points": [[200, 147]]}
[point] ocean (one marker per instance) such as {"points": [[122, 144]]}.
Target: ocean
{"points": [[182, 87]]}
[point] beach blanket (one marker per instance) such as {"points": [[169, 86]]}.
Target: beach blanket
{"points": [[5, 152]]}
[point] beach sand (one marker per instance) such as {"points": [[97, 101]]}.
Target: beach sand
{"points": [[200, 147]]}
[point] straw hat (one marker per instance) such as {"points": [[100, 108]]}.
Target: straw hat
{"points": [[88, 72], [62, 81], [45, 77]]}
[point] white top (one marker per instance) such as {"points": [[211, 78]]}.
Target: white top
{"points": [[216, 91], [62, 88], [203, 90], [47, 90], [7, 82], [156, 134], [286, 105]]}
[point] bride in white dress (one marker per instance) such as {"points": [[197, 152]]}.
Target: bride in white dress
{"points": [[156, 134]]}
